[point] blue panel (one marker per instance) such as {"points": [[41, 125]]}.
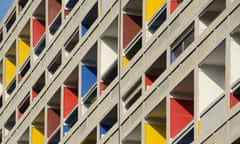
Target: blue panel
{"points": [[89, 77], [104, 129], [66, 129], [84, 29], [188, 138]]}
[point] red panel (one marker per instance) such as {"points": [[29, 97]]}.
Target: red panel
{"points": [[38, 30], [233, 100], [103, 86], [174, 5], [53, 121], [34, 94], [19, 114], [181, 115], [131, 26], [53, 8], [148, 82], [70, 100]]}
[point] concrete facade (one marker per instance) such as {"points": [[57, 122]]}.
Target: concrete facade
{"points": [[120, 72]]}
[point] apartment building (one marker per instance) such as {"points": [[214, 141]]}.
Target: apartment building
{"points": [[120, 72]]}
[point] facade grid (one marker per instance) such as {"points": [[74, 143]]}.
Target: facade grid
{"points": [[120, 72]]}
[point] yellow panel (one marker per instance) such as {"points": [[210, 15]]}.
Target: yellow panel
{"points": [[155, 134], [125, 61], [152, 6], [199, 128], [10, 71], [37, 136], [23, 52]]}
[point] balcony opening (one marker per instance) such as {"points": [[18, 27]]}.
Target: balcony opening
{"points": [[134, 137], [71, 42], [55, 139], [182, 42], [209, 14], [1, 35], [235, 96], [11, 20], [157, 21], [132, 95], [108, 121], [91, 138], [212, 77], [55, 64], [187, 138], [89, 19], [37, 129], [38, 26], [132, 22], [234, 58], [23, 106], [38, 86], [24, 51], [155, 126], [9, 124], [53, 114], [1, 78], [22, 4], [10, 69], [181, 105], [109, 55], [89, 77], [70, 100], [24, 139], [155, 70], [70, 121], [56, 24], [69, 5]]}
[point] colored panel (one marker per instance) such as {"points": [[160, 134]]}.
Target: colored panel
{"points": [[131, 27], [23, 52], [10, 71], [37, 135], [53, 121], [38, 30], [152, 6], [89, 78], [155, 134], [199, 128], [125, 61], [233, 100], [54, 6], [188, 138], [66, 129], [181, 115], [34, 94], [148, 82], [70, 100], [84, 29], [174, 4]]}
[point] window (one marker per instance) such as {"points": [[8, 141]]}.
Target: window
{"points": [[182, 42]]}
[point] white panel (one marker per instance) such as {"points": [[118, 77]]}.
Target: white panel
{"points": [[108, 53], [235, 61], [211, 84]]}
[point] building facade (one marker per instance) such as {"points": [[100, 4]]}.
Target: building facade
{"points": [[120, 72]]}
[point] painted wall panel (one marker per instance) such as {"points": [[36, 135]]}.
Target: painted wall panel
{"points": [[23, 51], [174, 4], [233, 100], [10, 71], [54, 6], [108, 54], [70, 100], [131, 26], [38, 27], [152, 6], [53, 121], [155, 133], [181, 115], [215, 80], [125, 61], [89, 78], [37, 135]]}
